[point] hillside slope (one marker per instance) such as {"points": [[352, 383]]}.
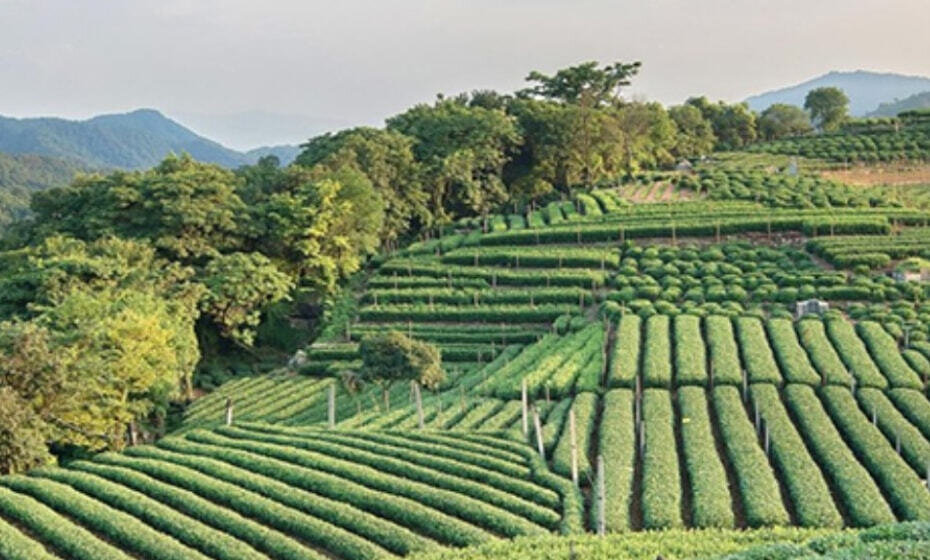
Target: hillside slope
{"points": [[135, 140], [914, 102], [20, 175], [866, 90]]}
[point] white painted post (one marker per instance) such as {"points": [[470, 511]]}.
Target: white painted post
{"points": [[332, 405], [416, 389], [601, 497], [768, 439], [539, 436], [574, 443], [745, 386], [229, 411]]}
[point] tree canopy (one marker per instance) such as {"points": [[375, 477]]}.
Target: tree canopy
{"points": [[828, 106], [781, 120], [393, 356], [584, 84]]}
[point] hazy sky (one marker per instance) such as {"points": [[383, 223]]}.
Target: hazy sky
{"points": [[343, 62]]}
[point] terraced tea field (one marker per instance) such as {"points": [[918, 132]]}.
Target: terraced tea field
{"points": [[610, 366]]}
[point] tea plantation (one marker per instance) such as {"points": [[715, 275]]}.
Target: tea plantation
{"points": [[611, 366]]}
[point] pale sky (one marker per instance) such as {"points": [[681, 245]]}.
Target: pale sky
{"points": [[344, 62]]}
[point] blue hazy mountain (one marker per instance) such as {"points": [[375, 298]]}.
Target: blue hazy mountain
{"points": [[866, 90], [134, 140]]}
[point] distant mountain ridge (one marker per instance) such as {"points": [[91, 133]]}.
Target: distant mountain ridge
{"points": [[866, 90], [21, 175], [134, 140], [892, 108]]}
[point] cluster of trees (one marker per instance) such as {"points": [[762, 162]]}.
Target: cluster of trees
{"points": [[473, 153], [120, 286], [825, 109]]}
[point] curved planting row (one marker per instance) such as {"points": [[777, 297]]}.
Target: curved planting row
{"points": [[624, 360], [854, 354], [585, 408], [756, 352], [724, 355], [710, 494], [905, 491], [690, 353], [661, 477], [794, 362], [803, 480], [887, 356], [759, 492], [617, 447], [897, 429], [657, 353], [813, 336], [860, 497]]}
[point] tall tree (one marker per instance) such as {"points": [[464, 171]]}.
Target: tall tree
{"points": [[238, 287], [781, 120], [187, 209], [828, 107], [694, 133], [393, 356], [94, 336], [317, 226], [734, 124], [463, 150], [584, 84], [387, 160]]}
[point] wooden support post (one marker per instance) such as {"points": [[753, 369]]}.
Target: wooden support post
{"points": [[601, 496], [572, 432], [539, 436], [874, 417], [525, 402], [768, 438], [897, 443], [745, 386], [229, 411], [416, 389], [548, 400], [642, 436], [332, 405]]}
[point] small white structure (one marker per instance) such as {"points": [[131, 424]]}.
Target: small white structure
{"points": [[808, 306], [685, 166], [912, 270], [298, 359]]}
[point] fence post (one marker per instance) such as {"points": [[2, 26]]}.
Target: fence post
{"points": [[745, 386], [574, 443], [601, 497], [539, 437], [768, 438], [229, 411], [332, 405], [525, 403], [416, 390]]}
